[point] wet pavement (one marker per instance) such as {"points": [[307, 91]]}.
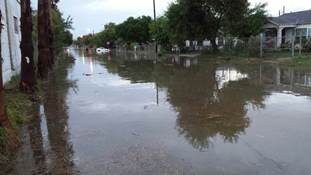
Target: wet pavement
{"points": [[129, 114]]}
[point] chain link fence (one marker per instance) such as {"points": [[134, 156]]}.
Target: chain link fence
{"points": [[260, 46]]}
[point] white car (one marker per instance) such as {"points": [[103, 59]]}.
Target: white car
{"points": [[102, 50]]}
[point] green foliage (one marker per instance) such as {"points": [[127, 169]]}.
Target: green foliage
{"points": [[107, 37], [17, 107], [200, 19], [86, 40], [176, 24], [253, 22], [233, 12], [61, 28], [303, 61], [160, 31], [135, 30], [17, 103], [185, 20]]}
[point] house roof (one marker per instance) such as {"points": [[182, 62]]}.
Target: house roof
{"points": [[299, 18]]}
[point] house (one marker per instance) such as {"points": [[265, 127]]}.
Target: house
{"points": [[10, 37], [286, 26]]}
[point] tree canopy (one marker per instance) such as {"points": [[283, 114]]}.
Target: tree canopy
{"points": [[186, 20], [135, 29]]}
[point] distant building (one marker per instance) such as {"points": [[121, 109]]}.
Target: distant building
{"points": [[284, 27], [10, 37]]}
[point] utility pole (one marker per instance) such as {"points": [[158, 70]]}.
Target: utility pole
{"points": [[156, 25]]}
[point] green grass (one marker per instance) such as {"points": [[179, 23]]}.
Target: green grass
{"points": [[283, 57], [301, 62], [17, 103], [18, 107]]}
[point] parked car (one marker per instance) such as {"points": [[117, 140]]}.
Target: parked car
{"points": [[102, 50]]}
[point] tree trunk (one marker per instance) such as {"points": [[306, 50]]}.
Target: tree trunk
{"points": [[44, 57], [51, 32], [28, 79]]}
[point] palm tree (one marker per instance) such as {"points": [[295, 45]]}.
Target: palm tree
{"points": [[28, 79], [44, 57]]}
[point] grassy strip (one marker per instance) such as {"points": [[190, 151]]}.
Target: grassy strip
{"points": [[18, 107], [303, 61], [17, 103]]}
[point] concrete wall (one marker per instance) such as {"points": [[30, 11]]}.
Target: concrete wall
{"points": [[10, 38]]}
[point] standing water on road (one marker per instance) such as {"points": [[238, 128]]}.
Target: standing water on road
{"points": [[128, 114]]}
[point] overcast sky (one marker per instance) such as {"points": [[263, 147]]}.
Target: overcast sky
{"points": [[91, 15]]}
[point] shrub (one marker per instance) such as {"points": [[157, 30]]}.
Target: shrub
{"points": [[307, 45]]}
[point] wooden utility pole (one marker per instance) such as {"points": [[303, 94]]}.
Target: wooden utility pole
{"points": [[44, 57], [28, 79]]}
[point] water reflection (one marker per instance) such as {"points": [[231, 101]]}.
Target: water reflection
{"points": [[209, 100], [55, 110], [47, 133], [206, 109], [285, 79], [135, 115], [225, 75]]}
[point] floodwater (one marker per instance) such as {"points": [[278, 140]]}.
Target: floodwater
{"points": [[127, 114]]}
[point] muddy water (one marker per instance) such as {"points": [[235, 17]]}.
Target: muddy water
{"points": [[128, 114]]}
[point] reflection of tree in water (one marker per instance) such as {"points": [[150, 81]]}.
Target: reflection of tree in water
{"points": [[136, 71], [204, 109], [36, 142], [57, 118]]}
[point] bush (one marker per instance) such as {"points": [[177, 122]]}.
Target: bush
{"points": [[307, 45]]}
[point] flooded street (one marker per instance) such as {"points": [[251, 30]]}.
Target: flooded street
{"points": [[128, 114]]}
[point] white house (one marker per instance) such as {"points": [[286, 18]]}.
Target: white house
{"points": [[284, 27], [10, 37]]}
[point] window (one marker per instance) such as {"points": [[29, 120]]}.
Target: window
{"points": [[309, 32], [302, 32], [16, 25]]}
